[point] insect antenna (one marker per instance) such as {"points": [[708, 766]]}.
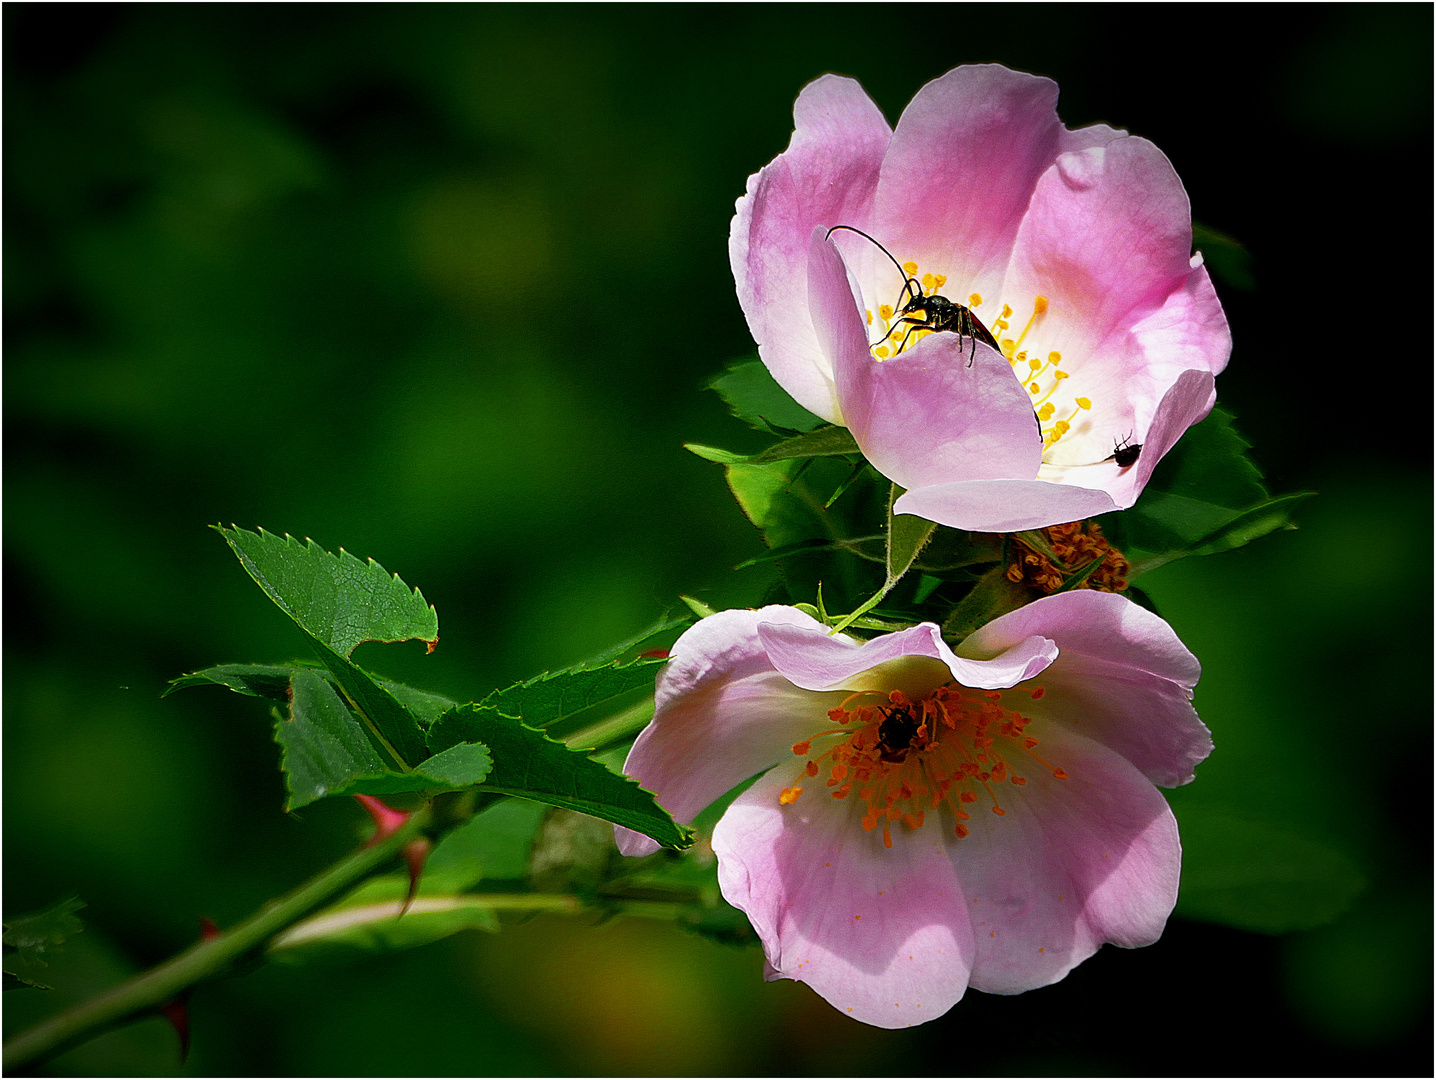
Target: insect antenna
{"points": [[908, 283]]}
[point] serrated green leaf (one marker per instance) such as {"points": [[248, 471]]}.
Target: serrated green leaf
{"points": [[753, 396], [31, 940], [548, 698], [254, 680], [394, 726], [763, 493], [272, 681], [344, 932], [824, 442], [1255, 875], [1209, 464], [325, 748], [660, 625], [529, 764], [334, 598], [328, 751]]}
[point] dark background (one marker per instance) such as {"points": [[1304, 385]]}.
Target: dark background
{"points": [[442, 284]]}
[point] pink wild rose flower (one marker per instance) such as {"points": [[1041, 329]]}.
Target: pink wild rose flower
{"points": [[929, 820], [1072, 251]]}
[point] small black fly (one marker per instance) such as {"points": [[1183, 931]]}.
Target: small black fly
{"points": [[896, 732], [938, 312], [1126, 453]]}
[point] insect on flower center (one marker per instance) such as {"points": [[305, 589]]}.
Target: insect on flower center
{"points": [[904, 759], [1041, 377]]}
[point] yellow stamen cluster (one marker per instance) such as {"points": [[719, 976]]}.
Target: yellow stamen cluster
{"points": [[895, 340], [1077, 544], [905, 758]]}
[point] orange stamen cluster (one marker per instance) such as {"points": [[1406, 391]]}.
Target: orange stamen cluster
{"points": [[906, 758], [1077, 544]]}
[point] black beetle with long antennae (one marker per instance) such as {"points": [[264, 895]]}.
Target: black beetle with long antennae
{"points": [[938, 312]]}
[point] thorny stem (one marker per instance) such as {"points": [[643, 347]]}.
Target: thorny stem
{"points": [[151, 990]]}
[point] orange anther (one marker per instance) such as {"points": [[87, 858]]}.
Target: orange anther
{"points": [[801, 748], [1037, 693], [790, 795], [1061, 774], [811, 768], [999, 811]]}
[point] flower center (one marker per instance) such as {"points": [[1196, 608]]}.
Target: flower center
{"points": [[1041, 378], [904, 757]]}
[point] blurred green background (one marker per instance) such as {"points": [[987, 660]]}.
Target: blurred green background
{"points": [[442, 285]]}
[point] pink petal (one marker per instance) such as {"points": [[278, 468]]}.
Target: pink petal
{"points": [[722, 715], [962, 166], [808, 657], [1072, 864], [1122, 676], [1107, 239], [932, 413], [1004, 505], [826, 177], [882, 934], [1188, 401]]}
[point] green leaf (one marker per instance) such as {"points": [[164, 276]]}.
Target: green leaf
{"points": [[253, 680], [753, 396], [660, 625], [1206, 496], [31, 940], [1244, 872], [340, 602], [763, 493], [351, 931], [335, 598], [993, 595], [272, 681], [546, 699], [529, 764], [325, 748], [493, 845], [824, 442], [906, 537]]}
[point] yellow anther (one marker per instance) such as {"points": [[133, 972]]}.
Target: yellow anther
{"points": [[909, 268], [1039, 304], [975, 300], [1035, 389], [1006, 311], [1008, 344], [1060, 374], [1045, 413], [939, 281], [869, 314], [885, 312], [1033, 363], [1084, 403], [1054, 358], [790, 795], [929, 283], [881, 352]]}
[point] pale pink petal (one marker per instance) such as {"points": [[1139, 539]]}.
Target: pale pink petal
{"points": [[1188, 401], [809, 657], [933, 413], [882, 934], [722, 715], [826, 177], [961, 169], [1004, 505], [1106, 239], [1122, 677], [1072, 864]]}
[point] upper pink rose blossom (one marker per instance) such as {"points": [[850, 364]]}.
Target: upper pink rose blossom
{"points": [[935, 820], [1074, 248]]}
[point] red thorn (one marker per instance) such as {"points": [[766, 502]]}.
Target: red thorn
{"points": [[432, 645], [387, 821], [208, 928], [657, 654], [177, 1013], [415, 853]]}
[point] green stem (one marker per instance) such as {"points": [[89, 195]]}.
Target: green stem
{"points": [[154, 988]]}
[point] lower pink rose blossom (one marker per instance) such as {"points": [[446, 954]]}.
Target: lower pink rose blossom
{"points": [[927, 820]]}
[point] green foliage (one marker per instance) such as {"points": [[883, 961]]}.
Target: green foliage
{"points": [[1240, 871], [753, 396], [1206, 496], [32, 940], [823, 442], [549, 698], [529, 764], [334, 598]]}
